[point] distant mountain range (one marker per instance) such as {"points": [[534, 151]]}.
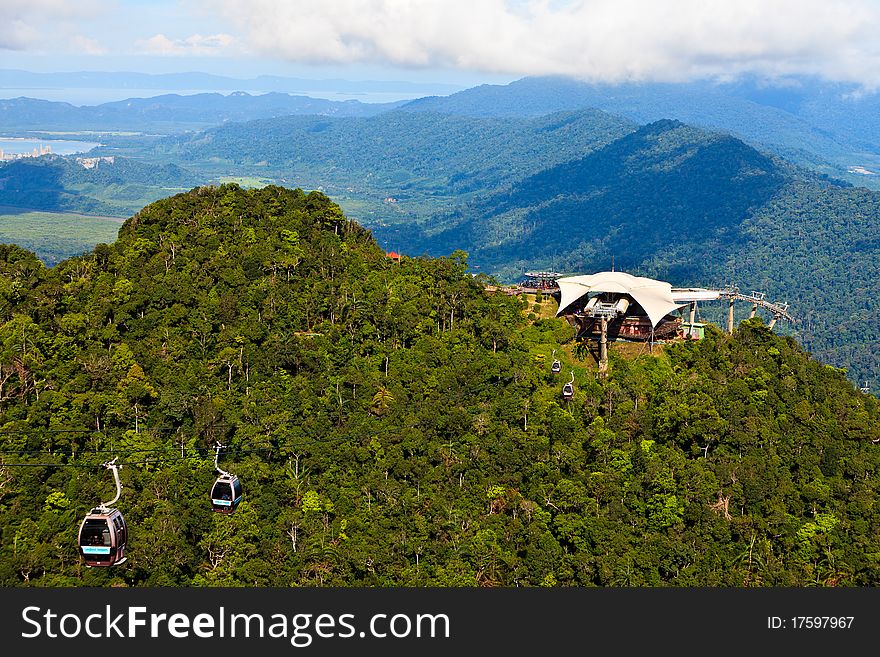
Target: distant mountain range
{"points": [[18, 79], [172, 112], [832, 128], [828, 127], [399, 166]]}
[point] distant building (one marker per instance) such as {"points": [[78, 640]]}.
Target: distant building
{"points": [[36, 152], [622, 305], [395, 257], [614, 304], [93, 162], [544, 281]]}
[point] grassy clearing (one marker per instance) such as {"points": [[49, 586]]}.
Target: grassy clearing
{"points": [[547, 307], [247, 181], [55, 236]]}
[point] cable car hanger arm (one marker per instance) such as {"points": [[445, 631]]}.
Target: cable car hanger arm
{"points": [[111, 465], [217, 458]]}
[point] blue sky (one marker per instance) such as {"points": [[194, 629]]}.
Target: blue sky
{"points": [[459, 41], [167, 36]]}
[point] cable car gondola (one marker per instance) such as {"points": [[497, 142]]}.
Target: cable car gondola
{"points": [[226, 492], [568, 388], [103, 533], [556, 367]]}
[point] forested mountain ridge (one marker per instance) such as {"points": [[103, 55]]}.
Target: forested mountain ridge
{"points": [[398, 167], [663, 187], [695, 208], [831, 128], [394, 424]]}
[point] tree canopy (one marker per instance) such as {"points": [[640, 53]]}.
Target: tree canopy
{"points": [[394, 424]]}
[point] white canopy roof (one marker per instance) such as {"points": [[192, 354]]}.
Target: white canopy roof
{"points": [[655, 297]]}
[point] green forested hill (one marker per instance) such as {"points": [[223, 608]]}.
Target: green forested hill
{"points": [[660, 192], [59, 184], [395, 425], [695, 208], [397, 167]]}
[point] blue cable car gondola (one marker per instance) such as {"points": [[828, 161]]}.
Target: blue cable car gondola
{"points": [[226, 493]]}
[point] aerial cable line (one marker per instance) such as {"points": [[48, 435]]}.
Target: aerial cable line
{"points": [[50, 465], [38, 431], [199, 453], [103, 431], [277, 445], [86, 451]]}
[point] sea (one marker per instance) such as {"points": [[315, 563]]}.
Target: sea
{"points": [[18, 145]]}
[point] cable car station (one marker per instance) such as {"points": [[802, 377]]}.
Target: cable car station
{"points": [[614, 305]]}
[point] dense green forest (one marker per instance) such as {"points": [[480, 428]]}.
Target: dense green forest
{"points": [[394, 424]]}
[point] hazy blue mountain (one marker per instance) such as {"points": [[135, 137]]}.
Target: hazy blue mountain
{"points": [[171, 112], [828, 127], [18, 79]]}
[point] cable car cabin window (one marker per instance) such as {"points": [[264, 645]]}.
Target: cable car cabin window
{"points": [[95, 532], [236, 488], [222, 491], [121, 530]]}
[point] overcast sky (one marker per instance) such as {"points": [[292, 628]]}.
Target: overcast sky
{"points": [[459, 41]]}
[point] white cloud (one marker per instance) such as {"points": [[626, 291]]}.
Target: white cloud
{"points": [[194, 45], [87, 46], [603, 40], [30, 24]]}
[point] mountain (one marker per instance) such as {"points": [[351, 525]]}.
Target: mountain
{"points": [[694, 208], [567, 191], [665, 191], [396, 166], [110, 185], [18, 79], [831, 128], [394, 424], [170, 113]]}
